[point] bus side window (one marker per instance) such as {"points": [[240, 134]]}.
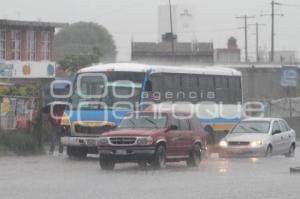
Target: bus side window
{"points": [[235, 90], [189, 85], [206, 88], [172, 87], [222, 93]]}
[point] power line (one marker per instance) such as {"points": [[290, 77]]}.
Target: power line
{"points": [[257, 40], [273, 4], [290, 5], [245, 17]]}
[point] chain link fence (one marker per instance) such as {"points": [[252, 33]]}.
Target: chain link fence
{"points": [[286, 108]]}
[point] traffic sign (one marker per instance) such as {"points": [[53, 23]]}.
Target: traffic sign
{"points": [[289, 76]]}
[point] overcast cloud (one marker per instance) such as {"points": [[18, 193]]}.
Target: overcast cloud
{"points": [[124, 18]]}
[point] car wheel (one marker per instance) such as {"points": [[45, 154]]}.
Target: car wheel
{"points": [[269, 152], [106, 162], [159, 161], [77, 152], [195, 156], [291, 152]]}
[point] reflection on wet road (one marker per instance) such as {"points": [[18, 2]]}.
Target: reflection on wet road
{"points": [[58, 177]]}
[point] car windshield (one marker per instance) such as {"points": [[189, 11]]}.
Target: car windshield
{"points": [[143, 121], [252, 127]]}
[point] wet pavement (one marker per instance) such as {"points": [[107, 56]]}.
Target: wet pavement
{"points": [[57, 177]]}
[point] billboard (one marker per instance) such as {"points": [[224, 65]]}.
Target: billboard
{"points": [[23, 69]]}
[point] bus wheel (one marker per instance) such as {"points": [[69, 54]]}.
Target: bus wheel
{"points": [[211, 135]]}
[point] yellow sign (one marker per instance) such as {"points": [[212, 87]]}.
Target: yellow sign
{"points": [[5, 106]]}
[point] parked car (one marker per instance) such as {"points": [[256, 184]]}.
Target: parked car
{"points": [[153, 138], [259, 137]]}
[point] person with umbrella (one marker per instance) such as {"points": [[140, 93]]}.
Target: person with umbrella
{"points": [[55, 114]]}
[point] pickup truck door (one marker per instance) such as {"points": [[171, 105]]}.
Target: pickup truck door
{"points": [[173, 138], [186, 138]]}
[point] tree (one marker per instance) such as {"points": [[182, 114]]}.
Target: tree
{"points": [[72, 63], [82, 44]]}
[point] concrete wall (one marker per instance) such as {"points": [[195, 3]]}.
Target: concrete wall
{"points": [[264, 83]]}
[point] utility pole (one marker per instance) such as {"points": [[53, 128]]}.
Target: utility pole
{"points": [[257, 40], [246, 33], [273, 3], [171, 27]]}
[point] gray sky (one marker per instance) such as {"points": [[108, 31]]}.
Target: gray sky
{"points": [[215, 19]]}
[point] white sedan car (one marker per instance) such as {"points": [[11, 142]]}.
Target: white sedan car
{"points": [[259, 137]]}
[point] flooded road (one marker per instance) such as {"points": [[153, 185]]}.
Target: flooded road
{"points": [[57, 177]]}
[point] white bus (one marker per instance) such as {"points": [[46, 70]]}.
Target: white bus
{"points": [[103, 94]]}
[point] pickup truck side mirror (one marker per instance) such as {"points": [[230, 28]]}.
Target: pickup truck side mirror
{"points": [[276, 132]]}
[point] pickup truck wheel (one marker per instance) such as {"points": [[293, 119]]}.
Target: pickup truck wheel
{"points": [[159, 161], [76, 152], [106, 162], [195, 156]]}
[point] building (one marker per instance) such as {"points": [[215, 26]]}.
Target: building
{"points": [[26, 49], [183, 21], [26, 63], [285, 57], [229, 55], [161, 53]]}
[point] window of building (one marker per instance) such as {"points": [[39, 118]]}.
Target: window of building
{"points": [[45, 45], [2, 44], [31, 45], [16, 44]]}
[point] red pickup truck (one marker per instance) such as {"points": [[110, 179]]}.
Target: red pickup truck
{"points": [[153, 138]]}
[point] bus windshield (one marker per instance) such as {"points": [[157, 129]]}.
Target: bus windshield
{"points": [[107, 90]]}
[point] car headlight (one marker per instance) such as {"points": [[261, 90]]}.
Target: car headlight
{"points": [[256, 143], [103, 141], [223, 143], [144, 140]]}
